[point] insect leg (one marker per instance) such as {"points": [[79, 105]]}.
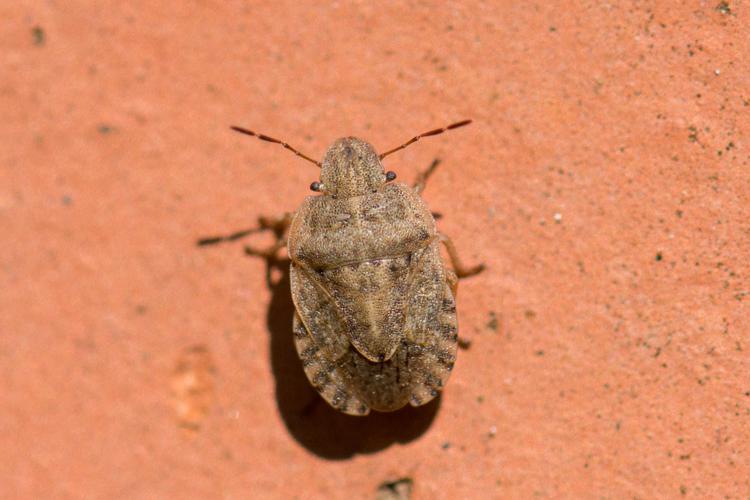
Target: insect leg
{"points": [[461, 270], [422, 177], [278, 225], [212, 240], [267, 253], [452, 279]]}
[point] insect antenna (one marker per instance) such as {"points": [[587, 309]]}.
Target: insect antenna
{"points": [[426, 134], [263, 137]]}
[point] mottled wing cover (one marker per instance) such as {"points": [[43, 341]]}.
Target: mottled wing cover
{"points": [[422, 361]]}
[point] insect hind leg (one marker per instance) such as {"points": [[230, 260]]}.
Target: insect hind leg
{"points": [[461, 270]]}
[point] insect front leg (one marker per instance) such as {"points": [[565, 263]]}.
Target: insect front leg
{"points": [[270, 253], [279, 226], [225, 238], [425, 174], [274, 263]]}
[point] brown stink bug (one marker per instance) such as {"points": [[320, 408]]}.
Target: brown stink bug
{"points": [[375, 314]]}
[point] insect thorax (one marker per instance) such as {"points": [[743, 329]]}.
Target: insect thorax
{"points": [[361, 253], [329, 232]]}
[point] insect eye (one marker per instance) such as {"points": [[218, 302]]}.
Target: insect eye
{"points": [[315, 186], [390, 175]]}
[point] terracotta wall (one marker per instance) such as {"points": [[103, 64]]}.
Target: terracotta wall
{"points": [[604, 183]]}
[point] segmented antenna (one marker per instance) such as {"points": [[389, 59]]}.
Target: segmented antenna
{"points": [[276, 141], [426, 134]]}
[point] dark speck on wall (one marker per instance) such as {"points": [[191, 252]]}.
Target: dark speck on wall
{"points": [[38, 35]]}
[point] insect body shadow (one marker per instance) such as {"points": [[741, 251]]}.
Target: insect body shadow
{"points": [[311, 421]]}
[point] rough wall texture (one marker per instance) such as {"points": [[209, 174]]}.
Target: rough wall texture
{"points": [[604, 183]]}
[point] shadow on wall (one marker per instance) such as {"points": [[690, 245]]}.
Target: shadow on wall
{"points": [[310, 420]]}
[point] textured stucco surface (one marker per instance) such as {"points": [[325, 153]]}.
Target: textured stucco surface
{"points": [[604, 184]]}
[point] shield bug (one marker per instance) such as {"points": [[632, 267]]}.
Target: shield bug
{"points": [[375, 315]]}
